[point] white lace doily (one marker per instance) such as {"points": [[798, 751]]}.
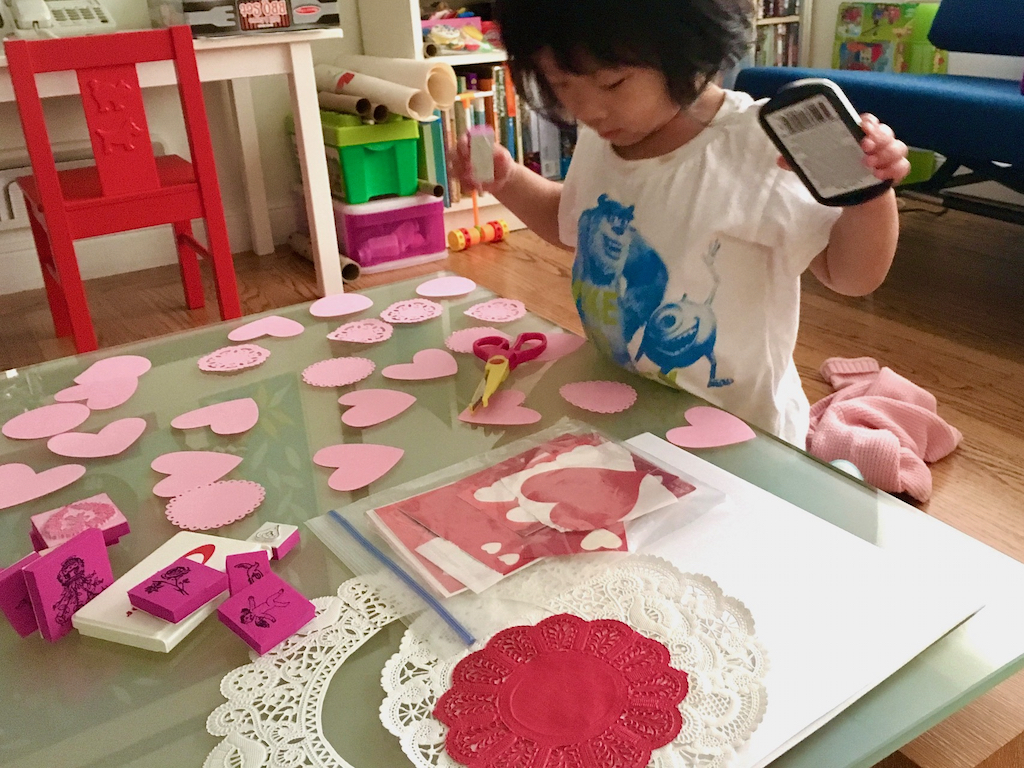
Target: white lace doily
{"points": [[273, 712], [710, 637]]}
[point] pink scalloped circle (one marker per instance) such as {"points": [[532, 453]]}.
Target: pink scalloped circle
{"points": [[340, 304], [234, 358], [599, 396], [338, 371], [462, 341], [215, 505], [498, 310], [412, 311], [369, 331]]}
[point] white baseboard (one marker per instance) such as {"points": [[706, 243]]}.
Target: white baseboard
{"points": [[125, 252]]}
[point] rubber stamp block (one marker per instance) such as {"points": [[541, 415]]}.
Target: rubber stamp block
{"points": [[14, 598], [67, 579], [178, 590], [246, 569], [267, 613], [58, 525]]}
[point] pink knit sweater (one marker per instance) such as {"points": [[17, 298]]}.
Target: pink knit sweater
{"points": [[886, 425]]}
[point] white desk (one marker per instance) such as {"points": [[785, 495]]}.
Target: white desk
{"points": [[233, 60]]}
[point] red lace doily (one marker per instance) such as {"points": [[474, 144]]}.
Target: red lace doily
{"points": [[566, 693]]}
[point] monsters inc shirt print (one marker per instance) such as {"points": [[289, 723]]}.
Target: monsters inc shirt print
{"points": [[688, 265]]}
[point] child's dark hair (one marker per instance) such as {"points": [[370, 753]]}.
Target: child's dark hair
{"points": [[688, 41]]}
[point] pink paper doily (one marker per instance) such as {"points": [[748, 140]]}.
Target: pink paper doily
{"points": [[234, 358], [370, 331], [498, 310], [599, 396], [215, 505], [338, 371], [462, 341], [566, 692], [412, 311]]}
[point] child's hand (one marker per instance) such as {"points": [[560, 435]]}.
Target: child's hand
{"points": [[884, 154], [462, 167]]}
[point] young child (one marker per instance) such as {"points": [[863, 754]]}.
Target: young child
{"points": [[690, 232]]}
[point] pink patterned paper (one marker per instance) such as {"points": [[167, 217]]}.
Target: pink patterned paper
{"points": [[444, 287], [117, 437], [462, 341], [117, 367], [412, 311], [46, 421], [274, 326], [230, 359], [369, 331], [20, 483], [599, 396], [498, 310], [215, 505], [338, 371], [426, 364], [340, 304], [100, 395]]}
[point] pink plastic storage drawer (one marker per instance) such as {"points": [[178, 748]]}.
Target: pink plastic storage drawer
{"points": [[386, 234]]}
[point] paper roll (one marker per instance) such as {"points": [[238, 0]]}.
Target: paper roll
{"points": [[339, 102], [400, 99], [379, 113], [435, 77]]}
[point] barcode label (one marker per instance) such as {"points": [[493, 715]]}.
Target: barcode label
{"points": [[806, 117]]}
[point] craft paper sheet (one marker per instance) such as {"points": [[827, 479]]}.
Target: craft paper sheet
{"points": [[836, 614]]}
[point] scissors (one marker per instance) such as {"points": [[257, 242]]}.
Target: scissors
{"points": [[501, 358]]}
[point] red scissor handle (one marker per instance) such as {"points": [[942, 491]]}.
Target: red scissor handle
{"points": [[527, 346]]}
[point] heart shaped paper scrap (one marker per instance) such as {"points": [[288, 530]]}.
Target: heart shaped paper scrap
{"points": [[232, 417], [46, 421], [710, 428], [190, 469], [426, 364], [100, 395], [274, 326], [357, 464], [505, 408], [117, 437], [340, 304], [20, 483], [373, 406]]}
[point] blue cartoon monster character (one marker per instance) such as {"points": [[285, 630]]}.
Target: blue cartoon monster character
{"points": [[618, 279], [682, 332]]}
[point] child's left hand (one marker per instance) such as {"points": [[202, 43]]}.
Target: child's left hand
{"points": [[884, 154]]}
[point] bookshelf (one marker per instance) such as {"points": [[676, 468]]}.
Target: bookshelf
{"points": [[782, 34]]}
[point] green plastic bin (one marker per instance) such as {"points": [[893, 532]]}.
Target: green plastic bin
{"points": [[368, 161]]}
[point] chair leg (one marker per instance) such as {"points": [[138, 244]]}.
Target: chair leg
{"points": [[62, 248], [223, 266], [54, 293], [188, 261]]}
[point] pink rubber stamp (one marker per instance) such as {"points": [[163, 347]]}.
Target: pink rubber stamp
{"points": [[14, 599], [279, 537], [246, 569], [67, 579], [267, 613], [178, 590], [50, 529]]}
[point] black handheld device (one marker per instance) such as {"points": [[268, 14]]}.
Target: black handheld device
{"points": [[817, 130]]}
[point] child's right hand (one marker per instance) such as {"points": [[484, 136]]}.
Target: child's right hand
{"points": [[462, 167]]}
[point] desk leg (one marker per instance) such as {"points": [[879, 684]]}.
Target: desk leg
{"points": [[255, 185], [316, 186]]}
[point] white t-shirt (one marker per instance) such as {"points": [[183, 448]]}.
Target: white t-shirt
{"points": [[688, 265]]}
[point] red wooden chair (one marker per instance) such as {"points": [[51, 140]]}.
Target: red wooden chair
{"points": [[128, 187]]}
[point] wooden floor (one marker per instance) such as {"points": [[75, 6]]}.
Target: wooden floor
{"points": [[950, 317]]}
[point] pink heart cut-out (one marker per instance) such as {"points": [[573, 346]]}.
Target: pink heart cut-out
{"points": [[560, 345], [585, 498], [357, 464], [443, 287], [46, 421], [100, 395], [114, 438], [710, 428], [340, 304], [504, 407], [117, 367], [275, 326], [426, 364], [20, 483], [186, 470], [215, 505], [372, 406], [232, 417]]}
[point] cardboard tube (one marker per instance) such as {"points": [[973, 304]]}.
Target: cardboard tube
{"points": [[379, 113], [400, 99], [435, 77], [431, 189], [301, 244], [340, 102], [429, 50]]}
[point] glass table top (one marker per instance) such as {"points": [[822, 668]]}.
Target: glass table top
{"points": [[87, 702]]}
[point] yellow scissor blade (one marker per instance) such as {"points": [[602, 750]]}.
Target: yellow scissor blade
{"points": [[495, 372]]}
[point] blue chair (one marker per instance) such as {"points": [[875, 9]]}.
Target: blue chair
{"points": [[976, 123]]}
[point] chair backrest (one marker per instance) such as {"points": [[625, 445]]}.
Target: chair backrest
{"points": [[980, 26], [115, 115]]}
